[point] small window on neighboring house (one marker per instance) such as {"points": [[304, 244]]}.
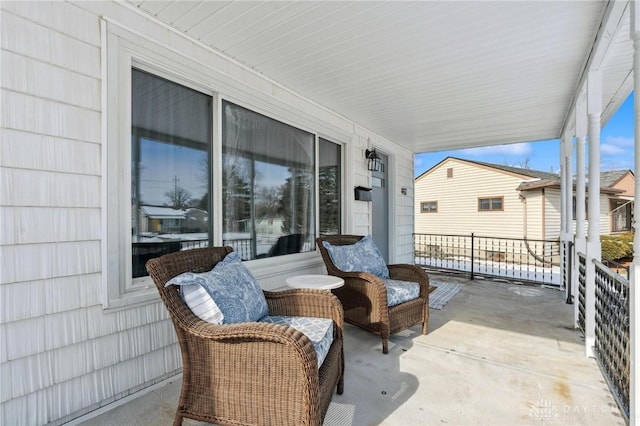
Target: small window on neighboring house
{"points": [[490, 204], [621, 213], [450, 172], [429, 207]]}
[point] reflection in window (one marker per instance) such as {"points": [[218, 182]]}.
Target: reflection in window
{"points": [[268, 185], [329, 184], [170, 160]]}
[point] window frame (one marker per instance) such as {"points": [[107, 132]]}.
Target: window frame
{"points": [[341, 166], [615, 204], [423, 203], [271, 117], [123, 50], [491, 199]]}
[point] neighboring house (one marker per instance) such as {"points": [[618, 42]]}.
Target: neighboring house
{"points": [[621, 206], [459, 196], [161, 219]]}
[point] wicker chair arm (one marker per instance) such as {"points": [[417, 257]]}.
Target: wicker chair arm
{"points": [[407, 272], [292, 340], [305, 303], [253, 331]]}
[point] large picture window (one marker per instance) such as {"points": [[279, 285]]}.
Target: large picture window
{"points": [[170, 168], [268, 185], [181, 172]]}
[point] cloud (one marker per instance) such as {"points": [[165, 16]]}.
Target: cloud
{"points": [[617, 145], [509, 149]]}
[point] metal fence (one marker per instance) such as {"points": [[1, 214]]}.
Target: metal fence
{"points": [[582, 289], [567, 266], [612, 338], [242, 246], [535, 261]]}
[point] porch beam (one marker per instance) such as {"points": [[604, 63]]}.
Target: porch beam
{"points": [[634, 322]]}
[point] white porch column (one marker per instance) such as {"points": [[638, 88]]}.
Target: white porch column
{"points": [[594, 110], [634, 321], [566, 215], [580, 240]]}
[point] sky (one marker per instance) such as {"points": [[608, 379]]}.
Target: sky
{"points": [[616, 149]]}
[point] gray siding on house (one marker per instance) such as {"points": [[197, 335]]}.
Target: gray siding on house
{"points": [[62, 354]]}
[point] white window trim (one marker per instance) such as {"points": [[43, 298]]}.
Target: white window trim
{"points": [[123, 49]]}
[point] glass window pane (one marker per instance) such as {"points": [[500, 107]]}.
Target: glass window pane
{"points": [[268, 185], [330, 183], [170, 153]]}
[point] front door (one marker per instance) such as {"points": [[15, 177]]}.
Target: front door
{"points": [[380, 210]]}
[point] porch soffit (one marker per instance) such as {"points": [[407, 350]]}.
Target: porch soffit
{"points": [[427, 75]]}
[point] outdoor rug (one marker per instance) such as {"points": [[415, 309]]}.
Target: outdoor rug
{"points": [[441, 295]]}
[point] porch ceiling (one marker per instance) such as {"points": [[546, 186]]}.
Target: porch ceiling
{"points": [[426, 75]]}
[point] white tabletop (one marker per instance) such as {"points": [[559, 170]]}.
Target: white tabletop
{"points": [[319, 282]]}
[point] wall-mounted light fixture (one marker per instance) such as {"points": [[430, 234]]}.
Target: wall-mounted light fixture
{"points": [[373, 160]]}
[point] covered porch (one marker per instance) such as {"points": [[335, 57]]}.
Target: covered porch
{"points": [[79, 330], [497, 353]]}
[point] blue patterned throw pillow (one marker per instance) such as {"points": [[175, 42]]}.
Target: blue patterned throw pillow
{"points": [[362, 256], [232, 287]]}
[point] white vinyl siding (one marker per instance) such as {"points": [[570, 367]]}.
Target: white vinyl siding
{"points": [[552, 219], [533, 221], [63, 354]]}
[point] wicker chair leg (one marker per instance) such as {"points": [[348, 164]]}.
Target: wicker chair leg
{"points": [[385, 346], [340, 388], [177, 421], [425, 327]]}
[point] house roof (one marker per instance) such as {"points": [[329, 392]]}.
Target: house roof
{"points": [[154, 212], [524, 172], [610, 178], [426, 75], [537, 174], [540, 179]]}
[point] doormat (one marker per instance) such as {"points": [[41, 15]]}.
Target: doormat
{"points": [[443, 293]]}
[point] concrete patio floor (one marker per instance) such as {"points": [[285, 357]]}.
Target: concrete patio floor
{"points": [[497, 354]]}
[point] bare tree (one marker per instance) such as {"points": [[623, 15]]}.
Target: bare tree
{"points": [[525, 163], [179, 197]]}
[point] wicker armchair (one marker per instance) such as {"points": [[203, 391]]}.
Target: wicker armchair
{"points": [[364, 295], [250, 373]]}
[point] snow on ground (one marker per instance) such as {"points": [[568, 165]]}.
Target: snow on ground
{"points": [[545, 275]]}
